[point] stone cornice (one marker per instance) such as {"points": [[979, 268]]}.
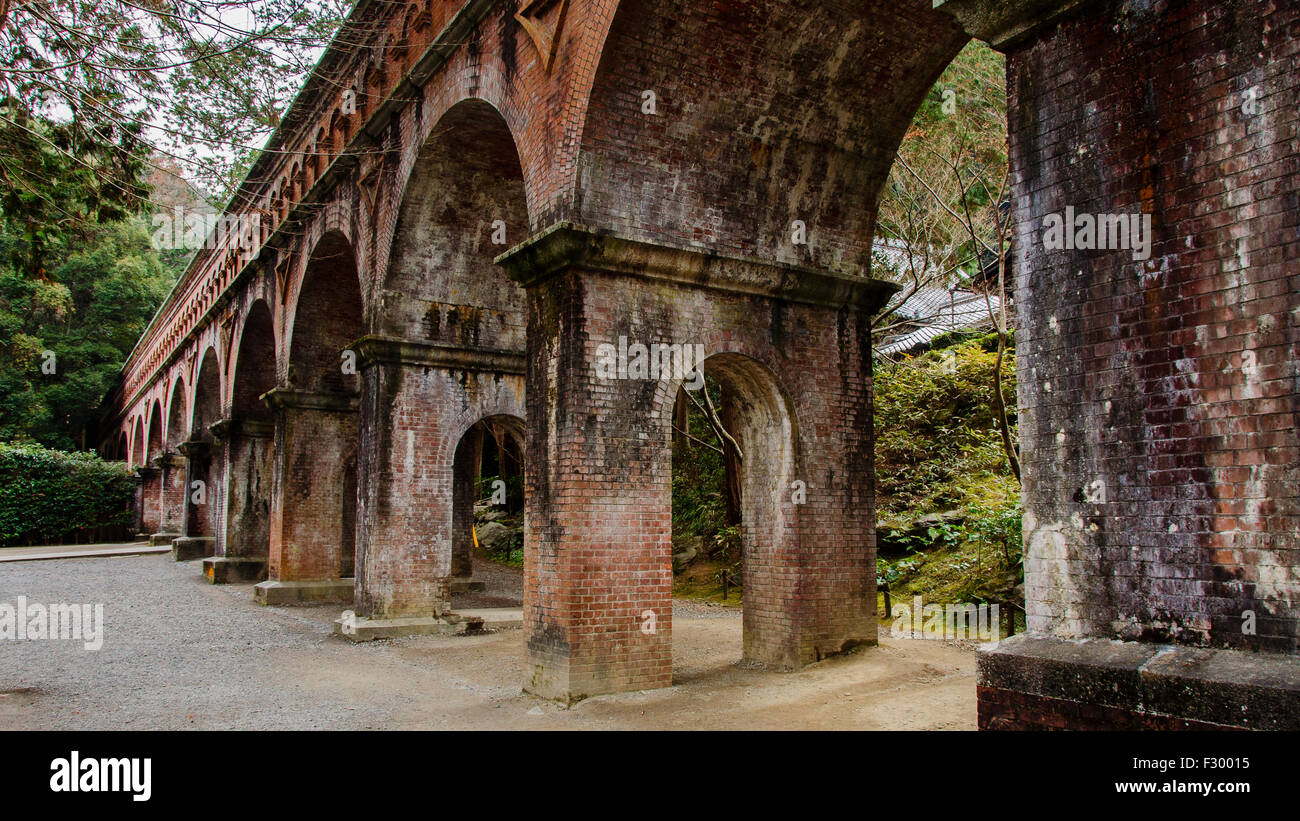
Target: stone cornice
{"points": [[169, 459], [283, 397], [1003, 24], [194, 448], [567, 245], [227, 429], [373, 350]]}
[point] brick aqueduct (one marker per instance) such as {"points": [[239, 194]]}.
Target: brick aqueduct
{"points": [[469, 197]]}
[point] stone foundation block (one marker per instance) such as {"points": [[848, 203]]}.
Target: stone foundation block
{"points": [[1035, 682], [278, 593]]}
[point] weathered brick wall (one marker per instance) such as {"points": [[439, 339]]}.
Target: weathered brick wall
{"points": [[150, 500], [203, 461], [247, 477], [312, 529], [413, 415], [171, 494], [441, 285], [767, 112], [598, 484], [249, 446], [1159, 398]]}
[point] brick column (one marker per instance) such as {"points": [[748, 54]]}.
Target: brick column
{"points": [[150, 498], [244, 526], [417, 399], [313, 503], [794, 345], [468, 462], [1158, 379], [198, 523], [171, 502]]}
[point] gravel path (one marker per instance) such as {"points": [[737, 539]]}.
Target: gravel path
{"points": [[179, 653]]}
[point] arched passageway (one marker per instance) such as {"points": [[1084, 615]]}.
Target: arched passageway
{"points": [[744, 430], [171, 464], [151, 474], [487, 471], [314, 504], [204, 464], [244, 535], [446, 352]]}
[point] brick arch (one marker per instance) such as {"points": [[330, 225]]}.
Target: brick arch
{"points": [[339, 216], [763, 418], [326, 317], [208, 388], [440, 283], [506, 402], [728, 163], [155, 435], [137, 443], [253, 369], [177, 413], [466, 461]]}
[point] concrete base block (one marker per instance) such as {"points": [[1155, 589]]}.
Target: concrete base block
{"points": [[302, 592], [159, 539], [185, 548], [495, 618], [467, 584], [1035, 682], [361, 628], [227, 569]]}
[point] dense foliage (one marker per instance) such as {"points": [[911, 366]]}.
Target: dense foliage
{"points": [[939, 454], [48, 496], [90, 89], [937, 442], [63, 339]]}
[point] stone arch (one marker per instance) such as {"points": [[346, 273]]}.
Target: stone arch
{"points": [[441, 284], [203, 454], [137, 440], [248, 449], [205, 404], [313, 512], [156, 441], [829, 92]]}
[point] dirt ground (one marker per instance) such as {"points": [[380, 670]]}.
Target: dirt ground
{"points": [[179, 653]]}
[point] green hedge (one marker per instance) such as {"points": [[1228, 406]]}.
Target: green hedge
{"points": [[54, 497]]}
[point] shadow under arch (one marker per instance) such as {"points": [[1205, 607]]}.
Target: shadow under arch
{"points": [[464, 203], [203, 457]]}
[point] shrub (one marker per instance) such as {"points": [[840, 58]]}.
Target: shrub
{"points": [[50, 496]]}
